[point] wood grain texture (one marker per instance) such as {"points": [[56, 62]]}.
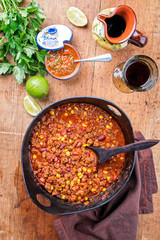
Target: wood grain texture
{"points": [[20, 218]]}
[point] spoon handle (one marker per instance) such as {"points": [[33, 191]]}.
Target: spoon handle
{"points": [[102, 58], [140, 145]]}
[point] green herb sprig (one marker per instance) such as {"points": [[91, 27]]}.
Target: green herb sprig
{"points": [[19, 26]]}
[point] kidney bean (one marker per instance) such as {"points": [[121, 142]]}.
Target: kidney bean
{"points": [[69, 130], [64, 132], [86, 173], [42, 171], [62, 174], [101, 137], [63, 170], [79, 144], [62, 145], [58, 195], [69, 133], [56, 159], [56, 154], [44, 145], [88, 154], [34, 134], [50, 160], [69, 160], [41, 183], [75, 153], [42, 149], [68, 169], [39, 175]]}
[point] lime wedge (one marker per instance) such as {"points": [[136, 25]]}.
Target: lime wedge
{"points": [[77, 17], [31, 106]]}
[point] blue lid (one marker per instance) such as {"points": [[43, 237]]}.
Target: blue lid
{"points": [[53, 37]]}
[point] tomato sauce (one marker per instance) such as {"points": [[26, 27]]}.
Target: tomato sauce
{"points": [[61, 63]]}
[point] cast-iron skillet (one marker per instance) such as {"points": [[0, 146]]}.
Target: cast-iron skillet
{"points": [[62, 207]]}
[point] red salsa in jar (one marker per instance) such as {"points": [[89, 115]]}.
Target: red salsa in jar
{"points": [[60, 160]]}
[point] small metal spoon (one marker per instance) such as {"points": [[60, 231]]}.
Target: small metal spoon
{"points": [[105, 153], [101, 58]]}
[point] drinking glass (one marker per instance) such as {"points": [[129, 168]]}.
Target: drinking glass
{"points": [[120, 77]]}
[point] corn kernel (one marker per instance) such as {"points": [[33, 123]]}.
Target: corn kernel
{"points": [[63, 197], [70, 122], [66, 114], [52, 112], [68, 153], [65, 135], [68, 125], [105, 171], [79, 197], [85, 145], [36, 133], [60, 189], [97, 119], [86, 198], [34, 156], [100, 117], [90, 182], [78, 180], [70, 140], [84, 113], [58, 175], [62, 185], [110, 124], [75, 108], [96, 175], [69, 108], [41, 137], [72, 183], [41, 143], [51, 187], [80, 175], [84, 125], [84, 169], [65, 150], [108, 127], [93, 189], [72, 111], [86, 108], [94, 169], [89, 170], [68, 182], [104, 189], [121, 158], [108, 178], [110, 117], [62, 139]]}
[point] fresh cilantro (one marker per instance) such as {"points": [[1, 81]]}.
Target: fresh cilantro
{"points": [[19, 26]]}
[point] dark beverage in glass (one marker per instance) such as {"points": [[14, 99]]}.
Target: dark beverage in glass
{"points": [[137, 74]]}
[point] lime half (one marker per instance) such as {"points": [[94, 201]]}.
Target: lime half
{"points": [[77, 17], [37, 87], [31, 106]]}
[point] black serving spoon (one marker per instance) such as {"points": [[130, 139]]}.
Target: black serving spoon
{"points": [[105, 153]]}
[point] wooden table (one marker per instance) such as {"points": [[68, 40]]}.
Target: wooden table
{"points": [[20, 218]]}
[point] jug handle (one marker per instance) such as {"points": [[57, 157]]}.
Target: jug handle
{"points": [[138, 39]]}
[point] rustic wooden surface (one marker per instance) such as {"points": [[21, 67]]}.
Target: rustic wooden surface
{"points": [[20, 218]]}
